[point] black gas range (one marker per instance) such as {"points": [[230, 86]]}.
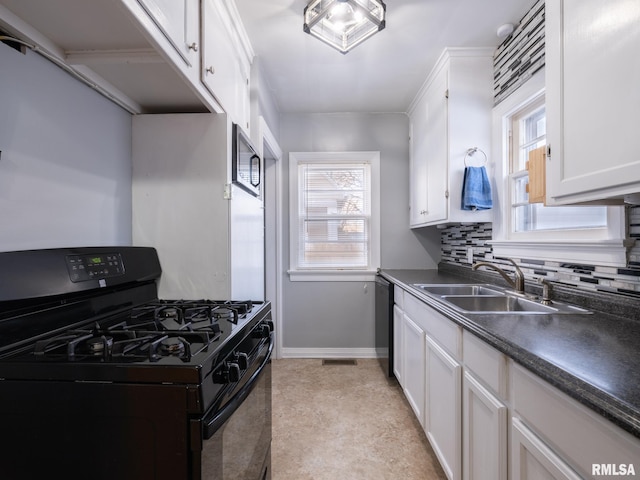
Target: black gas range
{"points": [[101, 379]]}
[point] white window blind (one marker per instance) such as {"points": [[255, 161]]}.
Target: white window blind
{"points": [[334, 216]]}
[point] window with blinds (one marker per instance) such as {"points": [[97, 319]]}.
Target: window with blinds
{"points": [[333, 226], [334, 215]]}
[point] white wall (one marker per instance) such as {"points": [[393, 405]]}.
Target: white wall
{"points": [[65, 169], [337, 318], [263, 103]]}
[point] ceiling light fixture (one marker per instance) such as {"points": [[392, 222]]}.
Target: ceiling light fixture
{"points": [[343, 24]]}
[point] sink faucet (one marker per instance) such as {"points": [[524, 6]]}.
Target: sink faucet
{"points": [[546, 291], [518, 281]]}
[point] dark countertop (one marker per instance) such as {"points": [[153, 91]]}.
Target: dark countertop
{"points": [[593, 358]]}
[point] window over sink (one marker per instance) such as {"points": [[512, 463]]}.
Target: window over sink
{"points": [[581, 233], [527, 132], [334, 200]]}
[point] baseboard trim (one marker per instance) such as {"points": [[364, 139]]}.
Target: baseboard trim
{"points": [[329, 353]]}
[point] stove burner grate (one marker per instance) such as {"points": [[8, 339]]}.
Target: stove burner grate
{"points": [[120, 343], [149, 332]]}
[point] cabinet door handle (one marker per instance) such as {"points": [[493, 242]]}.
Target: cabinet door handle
{"points": [[194, 47], [211, 70]]}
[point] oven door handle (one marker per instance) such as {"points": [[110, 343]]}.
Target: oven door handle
{"points": [[210, 427]]}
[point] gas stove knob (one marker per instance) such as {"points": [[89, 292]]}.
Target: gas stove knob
{"points": [[233, 372], [261, 331], [242, 360], [270, 325], [229, 373]]}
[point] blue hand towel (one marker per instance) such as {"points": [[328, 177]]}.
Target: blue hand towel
{"points": [[476, 189]]}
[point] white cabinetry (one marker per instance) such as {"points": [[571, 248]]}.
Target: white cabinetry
{"points": [[145, 55], [592, 97], [532, 459], [398, 351], [225, 64], [181, 175], [179, 22], [429, 186], [479, 408], [484, 418], [450, 114], [411, 353], [398, 319], [443, 381], [414, 354], [443, 411], [572, 432], [484, 412]]}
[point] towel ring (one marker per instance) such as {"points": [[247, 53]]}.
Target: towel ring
{"points": [[471, 152]]}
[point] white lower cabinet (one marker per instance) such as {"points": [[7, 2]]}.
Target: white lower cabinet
{"points": [[409, 352], [398, 350], [569, 433], [484, 432], [443, 408], [488, 418], [414, 365], [532, 459]]}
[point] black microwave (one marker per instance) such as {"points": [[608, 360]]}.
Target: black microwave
{"points": [[246, 165]]}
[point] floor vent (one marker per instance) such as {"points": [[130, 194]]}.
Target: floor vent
{"points": [[339, 361]]}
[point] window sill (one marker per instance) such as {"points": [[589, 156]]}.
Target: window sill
{"points": [[332, 275], [611, 253]]}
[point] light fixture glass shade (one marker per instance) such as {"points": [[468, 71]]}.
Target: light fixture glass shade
{"points": [[343, 24]]}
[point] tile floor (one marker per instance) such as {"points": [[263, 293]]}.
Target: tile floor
{"points": [[346, 422]]}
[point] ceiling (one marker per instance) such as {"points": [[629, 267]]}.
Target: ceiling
{"points": [[385, 72]]}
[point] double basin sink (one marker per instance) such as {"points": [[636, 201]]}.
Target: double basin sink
{"points": [[482, 298]]}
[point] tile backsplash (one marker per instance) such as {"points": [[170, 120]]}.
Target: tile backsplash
{"points": [[457, 239]]}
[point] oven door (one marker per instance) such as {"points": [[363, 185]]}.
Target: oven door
{"points": [[236, 440]]}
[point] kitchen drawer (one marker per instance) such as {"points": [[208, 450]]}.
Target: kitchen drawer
{"points": [[488, 364], [398, 296], [447, 333], [578, 435], [417, 310]]}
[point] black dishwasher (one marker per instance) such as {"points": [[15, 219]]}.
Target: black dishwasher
{"points": [[384, 324]]}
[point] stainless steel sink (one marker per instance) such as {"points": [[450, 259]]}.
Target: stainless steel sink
{"points": [[484, 298], [458, 289], [502, 304]]}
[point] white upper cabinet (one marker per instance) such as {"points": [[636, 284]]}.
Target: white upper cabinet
{"points": [[179, 22], [225, 63], [429, 155], [450, 115], [593, 99], [145, 55]]}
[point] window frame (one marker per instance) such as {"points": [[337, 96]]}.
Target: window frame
{"points": [[366, 273], [600, 246]]}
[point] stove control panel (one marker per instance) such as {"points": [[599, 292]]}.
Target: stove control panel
{"points": [[94, 267]]}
